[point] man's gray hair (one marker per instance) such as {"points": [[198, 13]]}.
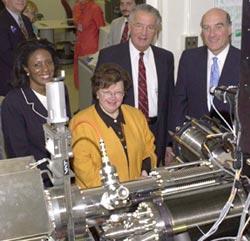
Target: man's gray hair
{"points": [[148, 9]]}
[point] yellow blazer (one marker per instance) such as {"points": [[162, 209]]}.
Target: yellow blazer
{"points": [[84, 127]]}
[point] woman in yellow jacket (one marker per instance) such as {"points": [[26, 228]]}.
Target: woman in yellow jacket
{"points": [[124, 129]]}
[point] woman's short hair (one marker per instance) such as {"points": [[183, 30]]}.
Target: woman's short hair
{"points": [[107, 75], [22, 54]]}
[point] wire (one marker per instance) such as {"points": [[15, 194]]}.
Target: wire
{"points": [[39, 162], [223, 119], [224, 238], [199, 228], [224, 210], [243, 224]]}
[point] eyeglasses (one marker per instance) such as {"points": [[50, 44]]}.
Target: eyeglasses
{"points": [[109, 94], [141, 27]]}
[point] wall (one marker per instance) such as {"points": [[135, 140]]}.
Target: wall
{"points": [[51, 9], [180, 19]]}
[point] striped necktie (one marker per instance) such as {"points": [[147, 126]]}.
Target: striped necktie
{"points": [[22, 27], [124, 37], [142, 87]]}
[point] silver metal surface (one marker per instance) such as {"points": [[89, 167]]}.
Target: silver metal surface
{"points": [[55, 92], [23, 212]]}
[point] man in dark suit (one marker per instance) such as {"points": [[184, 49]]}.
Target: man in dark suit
{"points": [[192, 92], [144, 25], [10, 35]]}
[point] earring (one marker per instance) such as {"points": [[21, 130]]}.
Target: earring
{"points": [[28, 74]]}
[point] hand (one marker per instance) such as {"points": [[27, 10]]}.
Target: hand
{"points": [[169, 155], [144, 173]]}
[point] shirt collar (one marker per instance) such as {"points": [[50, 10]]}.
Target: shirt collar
{"points": [[125, 19], [221, 56], [135, 52], [109, 121]]}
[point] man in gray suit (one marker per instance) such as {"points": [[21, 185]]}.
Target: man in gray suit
{"points": [[118, 25]]}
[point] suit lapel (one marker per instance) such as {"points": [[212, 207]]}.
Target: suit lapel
{"points": [[160, 74], [203, 77], [32, 98], [229, 62], [130, 100], [119, 27], [16, 32]]}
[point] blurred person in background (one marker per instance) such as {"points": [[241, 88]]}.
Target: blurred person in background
{"points": [[14, 28], [119, 26], [31, 12], [88, 18], [124, 129]]}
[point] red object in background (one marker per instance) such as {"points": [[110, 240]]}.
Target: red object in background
{"points": [[88, 18]]}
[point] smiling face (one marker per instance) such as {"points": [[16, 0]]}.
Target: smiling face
{"points": [[143, 30], [16, 6], [40, 69], [126, 7], [216, 30], [110, 99]]}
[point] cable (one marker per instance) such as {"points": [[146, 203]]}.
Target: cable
{"points": [[224, 238], [223, 119], [224, 210], [243, 224], [39, 162]]}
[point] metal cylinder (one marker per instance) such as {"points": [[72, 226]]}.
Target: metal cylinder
{"points": [[55, 93]]}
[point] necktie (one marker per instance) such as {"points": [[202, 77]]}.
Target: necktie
{"points": [[215, 73], [22, 27], [125, 33], [142, 87]]}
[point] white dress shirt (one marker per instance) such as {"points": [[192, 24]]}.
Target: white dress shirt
{"points": [[151, 77], [42, 98]]}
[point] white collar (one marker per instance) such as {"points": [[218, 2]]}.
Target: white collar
{"points": [[135, 52], [221, 56]]}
